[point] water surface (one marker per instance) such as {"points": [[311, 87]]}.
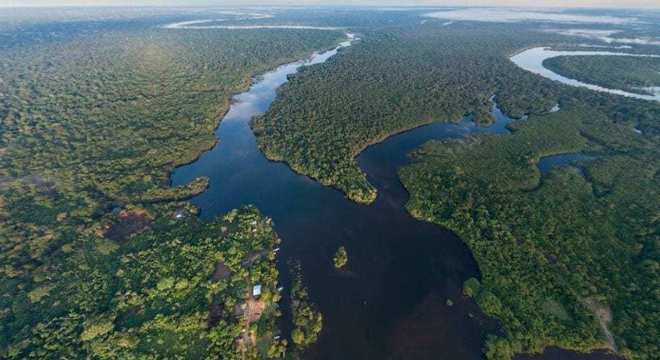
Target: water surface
{"points": [[390, 301], [216, 24], [532, 60], [548, 163]]}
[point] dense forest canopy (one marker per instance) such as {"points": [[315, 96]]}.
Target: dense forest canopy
{"points": [[634, 74], [92, 122], [101, 258], [399, 78], [582, 245], [170, 292], [561, 254], [394, 80]]}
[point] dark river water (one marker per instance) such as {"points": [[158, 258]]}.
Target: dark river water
{"points": [[549, 162], [391, 300]]}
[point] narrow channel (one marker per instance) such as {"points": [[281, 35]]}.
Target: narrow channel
{"points": [[391, 301]]}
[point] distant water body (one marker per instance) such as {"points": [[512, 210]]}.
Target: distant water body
{"points": [[216, 24], [532, 60]]}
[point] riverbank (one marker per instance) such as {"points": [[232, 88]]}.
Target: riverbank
{"points": [[533, 59], [314, 221]]}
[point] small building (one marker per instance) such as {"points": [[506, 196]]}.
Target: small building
{"points": [[180, 214], [256, 290]]}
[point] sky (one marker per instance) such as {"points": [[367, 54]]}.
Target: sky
{"points": [[536, 3]]}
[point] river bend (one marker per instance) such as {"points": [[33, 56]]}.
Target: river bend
{"points": [[391, 300]]}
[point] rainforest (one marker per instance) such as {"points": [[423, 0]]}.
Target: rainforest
{"points": [[329, 183]]}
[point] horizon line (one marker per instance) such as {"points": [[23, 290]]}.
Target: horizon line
{"points": [[553, 7]]}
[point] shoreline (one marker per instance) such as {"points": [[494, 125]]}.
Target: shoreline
{"points": [[248, 82]]}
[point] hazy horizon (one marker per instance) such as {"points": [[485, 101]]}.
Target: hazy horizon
{"points": [[412, 3]]}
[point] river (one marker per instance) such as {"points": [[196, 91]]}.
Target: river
{"points": [[391, 300], [532, 60]]}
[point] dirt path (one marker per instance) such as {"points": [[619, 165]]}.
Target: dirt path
{"points": [[604, 316]]}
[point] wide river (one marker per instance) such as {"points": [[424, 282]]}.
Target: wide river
{"points": [[532, 60], [391, 301]]}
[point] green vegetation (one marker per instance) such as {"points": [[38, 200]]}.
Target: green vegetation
{"points": [[632, 74], [177, 290], [109, 124], [392, 80], [95, 261], [557, 253], [307, 320], [93, 117], [341, 258], [471, 287]]}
